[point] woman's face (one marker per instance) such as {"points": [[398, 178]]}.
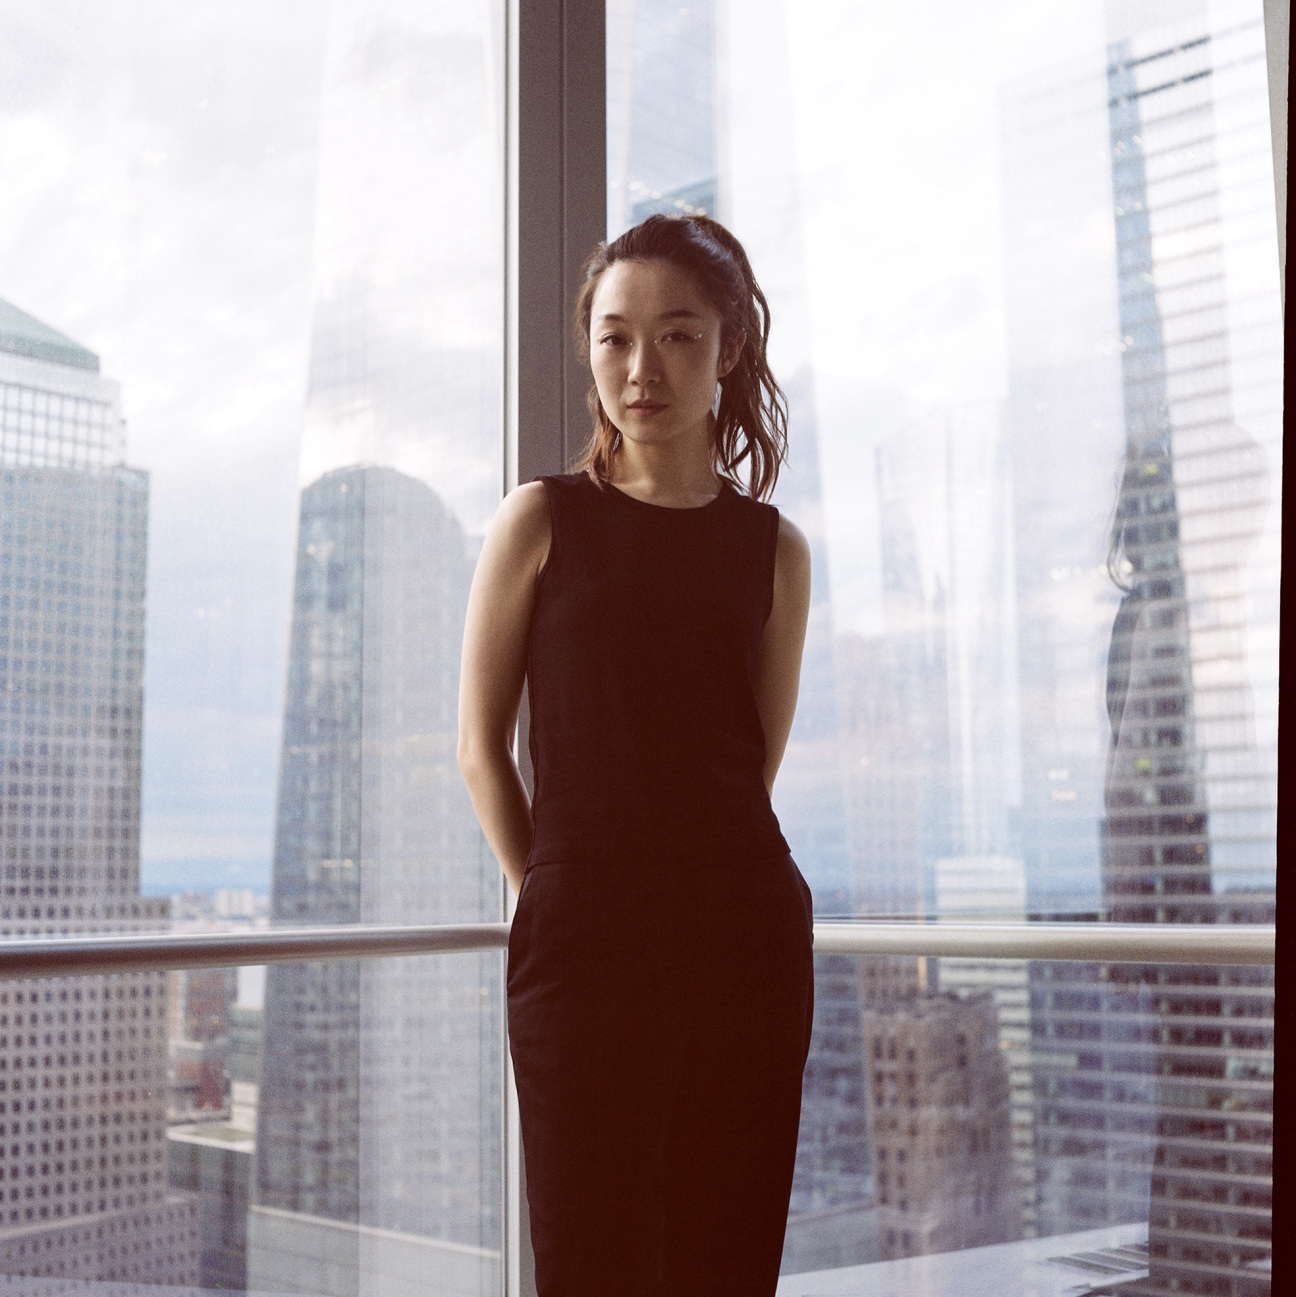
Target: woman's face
{"points": [[655, 352]]}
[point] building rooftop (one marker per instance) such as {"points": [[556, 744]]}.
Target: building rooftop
{"points": [[24, 335], [1065, 1265]]}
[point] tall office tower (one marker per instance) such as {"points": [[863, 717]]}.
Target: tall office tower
{"points": [[674, 78], [381, 1082], [1153, 1084], [661, 110], [375, 1110], [83, 1179], [938, 1107], [1183, 748]]}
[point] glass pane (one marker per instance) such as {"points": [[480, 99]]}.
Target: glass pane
{"points": [[1053, 1128], [137, 1148], [1022, 263], [251, 351]]}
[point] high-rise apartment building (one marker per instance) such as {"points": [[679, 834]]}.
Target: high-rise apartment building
{"points": [[1153, 1086], [939, 1118], [83, 1061], [993, 889]]}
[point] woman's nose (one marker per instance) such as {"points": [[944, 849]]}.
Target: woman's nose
{"points": [[644, 366]]}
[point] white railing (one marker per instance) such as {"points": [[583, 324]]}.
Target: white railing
{"points": [[61, 956]]}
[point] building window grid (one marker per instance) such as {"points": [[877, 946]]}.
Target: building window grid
{"points": [[44, 428], [82, 1077]]}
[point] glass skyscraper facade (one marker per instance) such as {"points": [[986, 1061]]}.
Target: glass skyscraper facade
{"points": [[1153, 1098], [381, 1084], [83, 1173], [379, 1102]]}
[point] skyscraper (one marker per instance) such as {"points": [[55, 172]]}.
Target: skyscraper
{"points": [[378, 1107], [662, 154], [1183, 747], [1152, 1083], [83, 1061], [932, 761], [944, 493], [381, 1083], [939, 1115]]}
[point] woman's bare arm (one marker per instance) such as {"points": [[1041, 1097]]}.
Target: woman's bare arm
{"points": [[778, 675], [494, 669]]}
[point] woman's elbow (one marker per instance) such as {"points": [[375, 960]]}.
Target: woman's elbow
{"points": [[468, 755], [478, 755]]}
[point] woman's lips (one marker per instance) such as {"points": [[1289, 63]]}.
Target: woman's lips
{"points": [[646, 407]]}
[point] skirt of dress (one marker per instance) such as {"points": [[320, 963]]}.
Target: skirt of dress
{"points": [[659, 1022]]}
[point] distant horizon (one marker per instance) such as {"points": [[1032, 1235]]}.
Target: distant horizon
{"points": [[170, 878], [158, 890]]}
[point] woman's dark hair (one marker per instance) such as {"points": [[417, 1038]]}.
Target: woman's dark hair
{"points": [[751, 420]]}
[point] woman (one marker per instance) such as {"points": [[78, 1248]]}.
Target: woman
{"points": [[660, 983]]}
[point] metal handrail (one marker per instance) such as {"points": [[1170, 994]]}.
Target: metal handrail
{"points": [[1159, 943], [141, 952], [1108, 943]]}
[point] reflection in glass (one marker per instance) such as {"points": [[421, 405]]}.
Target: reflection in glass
{"points": [[1021, 260]]}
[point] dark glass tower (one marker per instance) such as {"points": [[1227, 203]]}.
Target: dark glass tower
{"points": [[83, 1175], [382, 1082], [379, 1103], [1154, 1084]]}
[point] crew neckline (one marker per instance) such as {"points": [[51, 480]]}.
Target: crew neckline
{"points": [[725, 487]]}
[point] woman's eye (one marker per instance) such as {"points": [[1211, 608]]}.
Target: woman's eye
{"points": [[612, 340], [678, 335]]}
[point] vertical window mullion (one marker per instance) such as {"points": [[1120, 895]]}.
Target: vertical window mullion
{"points": [[556, 210]]}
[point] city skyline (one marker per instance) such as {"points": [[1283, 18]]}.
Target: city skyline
{"points": [[218, 423], [1036, 451]]}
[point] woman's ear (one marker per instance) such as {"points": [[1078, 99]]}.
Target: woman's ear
{"points": [[729, 356]]}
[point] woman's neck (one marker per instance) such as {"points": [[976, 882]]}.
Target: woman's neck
{"points": [[677, 475]]}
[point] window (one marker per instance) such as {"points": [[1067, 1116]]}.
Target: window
{"points": [[257, 371], [1024, 276], [251, 432]]}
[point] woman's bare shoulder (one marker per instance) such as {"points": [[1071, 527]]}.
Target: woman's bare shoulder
{"points": [[792, 556], [521, 530], [526, 505]]}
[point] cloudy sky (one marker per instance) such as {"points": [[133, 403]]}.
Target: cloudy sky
{"points": [[161, 164]]}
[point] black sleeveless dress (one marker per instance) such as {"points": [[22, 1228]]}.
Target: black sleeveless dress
{"points": [[660, 981]]}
